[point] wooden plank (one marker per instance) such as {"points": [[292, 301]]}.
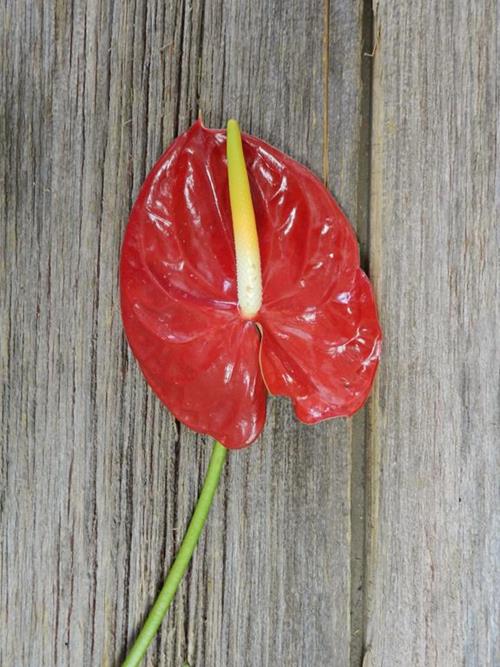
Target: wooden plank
{"points": [[97, 481], [433, 564]]}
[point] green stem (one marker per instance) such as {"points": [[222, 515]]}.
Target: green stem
{"points": [[160, 607]]}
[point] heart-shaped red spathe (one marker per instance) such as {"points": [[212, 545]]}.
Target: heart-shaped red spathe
{"points": [[318, 337]]}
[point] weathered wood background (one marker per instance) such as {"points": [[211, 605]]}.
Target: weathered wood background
{"points": [[372, 539]]}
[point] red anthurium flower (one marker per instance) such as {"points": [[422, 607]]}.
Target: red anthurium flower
{"points": [[312, 333]]}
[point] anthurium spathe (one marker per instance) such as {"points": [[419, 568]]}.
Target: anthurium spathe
{"points": [[314, 336]]}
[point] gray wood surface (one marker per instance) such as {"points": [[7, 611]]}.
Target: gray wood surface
{"points": [[97, 480], [433, 566], [314, 555]]}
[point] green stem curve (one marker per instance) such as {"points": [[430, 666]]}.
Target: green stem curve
{"points": [[182, 560]]}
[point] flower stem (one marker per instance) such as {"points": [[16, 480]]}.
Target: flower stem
{"points": [[181, 562]]}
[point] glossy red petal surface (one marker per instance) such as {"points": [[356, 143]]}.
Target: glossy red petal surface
{"points": [[323, 356], [178, 283], [178, 294], [182, 220], [322, 338], [307, 245]]}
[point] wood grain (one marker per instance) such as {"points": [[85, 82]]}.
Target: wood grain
{"points": [[433, 546], [97, 481]]}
